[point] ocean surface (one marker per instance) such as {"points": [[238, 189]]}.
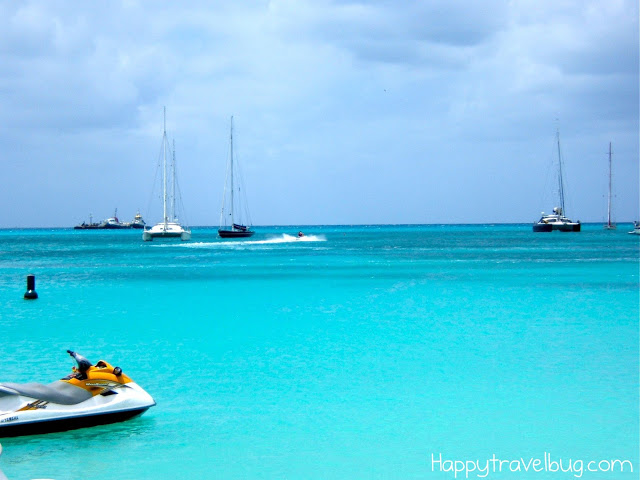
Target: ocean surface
{"points": [[358, 352]]}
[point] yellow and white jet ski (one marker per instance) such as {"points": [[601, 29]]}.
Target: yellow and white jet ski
{"points": [[91, 395]]}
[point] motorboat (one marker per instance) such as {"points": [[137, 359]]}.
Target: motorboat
{"points": [[113, 223], [137, 222], [91, 395], [636, 228], [88, 226], [109, 224]]}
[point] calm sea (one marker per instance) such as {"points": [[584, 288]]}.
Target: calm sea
{"points": [[360, 352]]}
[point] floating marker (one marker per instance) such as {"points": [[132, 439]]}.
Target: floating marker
{"points": [[31, 294]]}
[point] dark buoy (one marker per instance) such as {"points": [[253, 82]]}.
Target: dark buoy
{"points": [[31, 294]]}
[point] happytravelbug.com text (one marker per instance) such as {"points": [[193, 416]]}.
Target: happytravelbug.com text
{"points": [[494, 465]]}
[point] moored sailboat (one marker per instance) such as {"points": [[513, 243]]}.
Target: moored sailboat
{"points": [[169, 227], [236, 228], [557, 220]]}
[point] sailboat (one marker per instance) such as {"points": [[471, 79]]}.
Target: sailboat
{"points": [[610, 225], [557, 220], [236, 229], [169, 227]]}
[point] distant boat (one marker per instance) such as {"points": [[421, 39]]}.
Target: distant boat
{"points": [[557, 220], [113, 223], [137, 222], [636, 228], [236, 228], [109, 224], [87, 226], [609, 225], [169, 227]]}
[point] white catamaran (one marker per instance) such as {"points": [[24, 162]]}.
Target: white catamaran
{"points": [[169, 227], [236, 229]]}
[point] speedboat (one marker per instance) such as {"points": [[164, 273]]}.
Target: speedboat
{"points": [[91, 395]]}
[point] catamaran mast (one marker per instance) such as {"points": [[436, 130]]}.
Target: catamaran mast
{"points": [[231, 137], [609, 200], [173, 184], [560, 182], [164, 166]]}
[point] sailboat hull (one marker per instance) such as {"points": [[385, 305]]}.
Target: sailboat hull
{"points": [[561, 227], [235, 233], [542, 227], [168, 230]]}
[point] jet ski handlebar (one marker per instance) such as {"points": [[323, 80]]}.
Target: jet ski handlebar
{"points": [[83, 363]]}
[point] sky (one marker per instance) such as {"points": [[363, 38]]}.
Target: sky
{"points": [[372, 112]]}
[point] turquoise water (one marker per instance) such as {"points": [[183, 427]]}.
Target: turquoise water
{"points": [[359, 352]]}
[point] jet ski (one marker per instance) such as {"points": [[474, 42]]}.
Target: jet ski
{"points": [[91, 395]]}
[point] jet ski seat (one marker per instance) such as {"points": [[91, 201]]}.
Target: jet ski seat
{"points": [[58, 392]]}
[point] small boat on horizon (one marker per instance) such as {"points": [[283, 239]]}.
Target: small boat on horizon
{"points": [[87, 226], [112, 223], [137, 222], [636, 229], [236, 229], [557, 220]]}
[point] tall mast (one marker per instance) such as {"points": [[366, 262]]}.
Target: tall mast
{"points": [[231, 160], [173, 184], [609, 201], [164, 165], [560, 183]]}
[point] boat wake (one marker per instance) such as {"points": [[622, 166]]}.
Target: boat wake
{"points": [[284, 238], [291, 238]]}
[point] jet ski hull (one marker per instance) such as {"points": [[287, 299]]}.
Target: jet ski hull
{"points": [[63, 424]]}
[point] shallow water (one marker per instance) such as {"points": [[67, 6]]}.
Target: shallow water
{"points": [[354, 352]]}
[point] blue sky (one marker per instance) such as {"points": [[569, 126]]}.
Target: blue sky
{"points": [[344, 112]]}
